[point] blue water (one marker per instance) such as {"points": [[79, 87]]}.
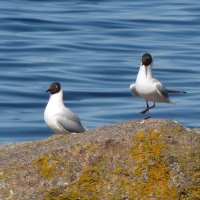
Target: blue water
{"points": [[94, 48]]}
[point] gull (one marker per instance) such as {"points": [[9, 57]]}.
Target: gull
{"points": [[149, 88], [57, 116]]}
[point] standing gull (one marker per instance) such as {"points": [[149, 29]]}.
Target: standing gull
{"points": [[58, 117], [149, 88]]}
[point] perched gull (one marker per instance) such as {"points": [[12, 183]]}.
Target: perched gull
{"points": [[149, 88], [58, 117]]}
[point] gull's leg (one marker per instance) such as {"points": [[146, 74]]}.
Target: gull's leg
{"points": [[148, 116], [148, 108], [154, 104], [149, 112]]}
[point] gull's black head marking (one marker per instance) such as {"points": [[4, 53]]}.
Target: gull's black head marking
{"points": [[54, 88], [146, 59]]}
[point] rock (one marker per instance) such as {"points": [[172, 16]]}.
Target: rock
{"points": [[143, 159]]}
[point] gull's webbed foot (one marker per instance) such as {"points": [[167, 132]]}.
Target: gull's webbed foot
{"points": [[147, 117]]}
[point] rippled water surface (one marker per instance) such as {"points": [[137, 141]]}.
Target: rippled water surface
{"points": [[93, 48]]}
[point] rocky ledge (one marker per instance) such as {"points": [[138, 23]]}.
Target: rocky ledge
{"points": [[151, 159]]}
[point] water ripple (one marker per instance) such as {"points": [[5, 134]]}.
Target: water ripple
{"points": [[93, 48]]}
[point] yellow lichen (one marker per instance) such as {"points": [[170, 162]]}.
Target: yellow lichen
{"points": [[139, 171], [59, 194], [89, 182], [193, 191], [117, 170], [90, 147], [87, 187], [152, 176], [50, 166], [45, 166]]}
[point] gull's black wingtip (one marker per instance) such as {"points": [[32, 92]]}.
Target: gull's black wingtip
{"points": [[175, 92]]}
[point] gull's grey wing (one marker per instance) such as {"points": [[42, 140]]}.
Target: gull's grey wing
{"points": [[67, 113], [161, 90], [133, 90], [69, 125]]}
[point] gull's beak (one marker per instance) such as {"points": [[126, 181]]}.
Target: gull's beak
{"points": [[145, 70], [48, 90]]}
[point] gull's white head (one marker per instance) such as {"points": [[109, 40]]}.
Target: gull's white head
{"points": [[146, 61]]}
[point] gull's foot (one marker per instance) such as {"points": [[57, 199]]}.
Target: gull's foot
{"points": [[147, 117], [144, 111]]}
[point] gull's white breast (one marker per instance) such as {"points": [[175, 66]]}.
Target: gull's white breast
{"points": [[53, 109]]}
